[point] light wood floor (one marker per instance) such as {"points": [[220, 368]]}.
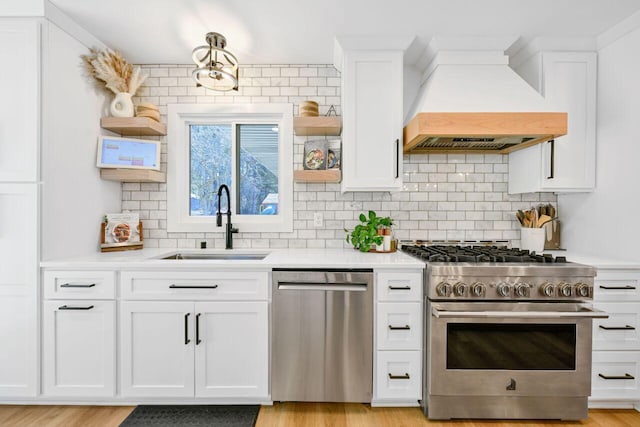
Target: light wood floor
{"points": [[294, 415]]}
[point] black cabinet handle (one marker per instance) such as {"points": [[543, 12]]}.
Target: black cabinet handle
{"points": [[77, 285], [617, 377], [397, 158], [186, 329], [618, 288], [198, 340], [67, 307], [552, 159], [192, 287], [399, 377], [617, 328], [400, 288], [397, 328]]}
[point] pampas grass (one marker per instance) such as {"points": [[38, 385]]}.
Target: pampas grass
{"points": [[110, 67]]}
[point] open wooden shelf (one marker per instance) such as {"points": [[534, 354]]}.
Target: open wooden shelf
{"points": [[132, 175], [321, 125], [133, 126], [329, 175]]}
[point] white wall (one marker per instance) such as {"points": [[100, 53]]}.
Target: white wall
{"points": [[605, 222], [74, 198]]}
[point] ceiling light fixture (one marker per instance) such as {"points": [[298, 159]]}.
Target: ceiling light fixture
{"points": [[217, 68]]}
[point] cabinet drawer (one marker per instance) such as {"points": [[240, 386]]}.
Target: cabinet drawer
{"points": [[399, 286], [615, 375], [617, 285], [185, 285], [399, 326], [79, 284], [398, 375], [620, 330]]}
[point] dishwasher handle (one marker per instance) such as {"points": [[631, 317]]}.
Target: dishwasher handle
{"points": [[308, 286]]}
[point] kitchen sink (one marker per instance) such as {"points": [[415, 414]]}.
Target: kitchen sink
{"points": [[216, 256]]}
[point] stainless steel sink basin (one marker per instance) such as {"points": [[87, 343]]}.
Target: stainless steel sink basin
{"points": [[210, 256]]}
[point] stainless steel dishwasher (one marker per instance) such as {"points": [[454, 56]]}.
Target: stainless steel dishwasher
{"points": [[322, 335]]}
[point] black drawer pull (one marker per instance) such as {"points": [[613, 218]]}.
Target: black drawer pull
{"points": [[186, 329], [400, 288], [399, 328], [618, 288], [617, 377], [192, 287], [77, 285], [618, 328], [399, 377], [67, 307]]}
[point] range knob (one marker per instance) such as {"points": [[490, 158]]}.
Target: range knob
{"points": [[443, 289], [547, 289], [478, 289], [582, 289], [564, 289], [522, 289], [504, 289], [459, 289]]}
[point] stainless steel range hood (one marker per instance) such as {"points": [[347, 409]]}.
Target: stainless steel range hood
{"points": [[473, 102]]}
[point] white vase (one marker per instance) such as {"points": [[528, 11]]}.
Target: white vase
{"points": [[122, 105]]}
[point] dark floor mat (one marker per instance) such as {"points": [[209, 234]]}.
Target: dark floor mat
{"points": [[192, 416]]}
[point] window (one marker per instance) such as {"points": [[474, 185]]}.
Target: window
{"points": [[248, 148]]}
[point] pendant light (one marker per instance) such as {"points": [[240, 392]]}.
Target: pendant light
{"points": [[217, 68]]}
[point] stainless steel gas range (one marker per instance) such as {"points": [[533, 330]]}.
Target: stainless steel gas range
{"points": [[508, 334]]}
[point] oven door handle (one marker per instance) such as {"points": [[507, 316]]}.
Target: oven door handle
{"points": [[592, 314]]}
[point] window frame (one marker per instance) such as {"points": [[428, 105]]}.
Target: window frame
{"points": [[180, 117]]}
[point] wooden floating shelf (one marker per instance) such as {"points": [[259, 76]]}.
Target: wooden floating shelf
{"points": [[329, 175], [321, 125], [133, 126], [133, 175]]}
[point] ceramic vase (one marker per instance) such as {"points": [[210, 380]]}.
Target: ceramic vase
{"points": [[122, 105]]}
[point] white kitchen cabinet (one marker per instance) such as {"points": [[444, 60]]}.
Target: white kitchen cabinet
{"points": [[567, 80], [615, 379], [20, 108], [18, 289], [157, 349], [232, 358], [200, 339], [79, 348], [398, 339], [372, 120]]}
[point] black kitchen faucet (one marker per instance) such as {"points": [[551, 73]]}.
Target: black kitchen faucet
{"points": [[228, 235]]}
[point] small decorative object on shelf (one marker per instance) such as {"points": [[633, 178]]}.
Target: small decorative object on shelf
{"points": [[147, 109], [120, 77], [334, 153], [315, 155], [121, 232], [308, 109], [369, 234]]}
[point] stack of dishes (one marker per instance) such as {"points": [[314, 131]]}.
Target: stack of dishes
{"points": [[147, 109]]}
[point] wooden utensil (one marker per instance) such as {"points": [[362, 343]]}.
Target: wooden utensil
{"points": [[520, 216], [543, 220]]}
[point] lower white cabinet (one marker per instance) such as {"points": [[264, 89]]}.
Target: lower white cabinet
{"points": [[616, 375], [399, 375], [79, 348], [201, 349]]}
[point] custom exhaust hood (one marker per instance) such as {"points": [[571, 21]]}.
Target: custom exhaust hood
{"points": [[473, 102]]}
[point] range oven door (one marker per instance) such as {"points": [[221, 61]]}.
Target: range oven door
{"points": [[510, 349]]}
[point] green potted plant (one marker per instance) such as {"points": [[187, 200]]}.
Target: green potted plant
{"points": [[366, 234]]}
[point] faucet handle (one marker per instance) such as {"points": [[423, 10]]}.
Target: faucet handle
{"points": [[218, 219]]}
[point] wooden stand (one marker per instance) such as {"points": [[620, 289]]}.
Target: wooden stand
{"points": [[115, 247]]}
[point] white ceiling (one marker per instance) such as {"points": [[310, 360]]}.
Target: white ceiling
{"points": [[302, 31]]}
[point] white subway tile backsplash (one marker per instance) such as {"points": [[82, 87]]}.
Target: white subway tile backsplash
{"points": [[454, 196]]}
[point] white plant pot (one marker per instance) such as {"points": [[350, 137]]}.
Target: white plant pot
{"points": [[122, 105]]}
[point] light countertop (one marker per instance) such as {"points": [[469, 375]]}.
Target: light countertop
{"points": [[596, 261], [276, 258]]}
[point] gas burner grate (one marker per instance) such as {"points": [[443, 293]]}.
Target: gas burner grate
{"points": [[501, 254]]}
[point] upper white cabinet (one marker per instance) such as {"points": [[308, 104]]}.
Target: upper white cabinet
{"points": [[372, 120], [568, 82], [20, 107]]}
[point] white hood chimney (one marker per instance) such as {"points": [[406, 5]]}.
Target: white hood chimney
{"points": [[472, 101]]}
